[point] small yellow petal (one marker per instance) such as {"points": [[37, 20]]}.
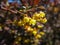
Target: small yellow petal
{"points": [[26, 41], [38, 36], [34, 32], [44, 20], [32, 22], [42, 33], [42, 14], [40, 26]]}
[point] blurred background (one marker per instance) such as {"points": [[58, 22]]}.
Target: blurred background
{"points": [[9, 13]]}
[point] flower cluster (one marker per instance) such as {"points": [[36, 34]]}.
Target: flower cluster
{"points": [[31, 27]]}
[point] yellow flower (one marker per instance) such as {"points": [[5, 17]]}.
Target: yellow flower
{"points": [[21, 23], [36, 16], [26, 19], [44, 20], [40, 26], [38, 36], [29, 29], [42, 33], [42, 14], [34, 32], [32, 22], [26, 41]]}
